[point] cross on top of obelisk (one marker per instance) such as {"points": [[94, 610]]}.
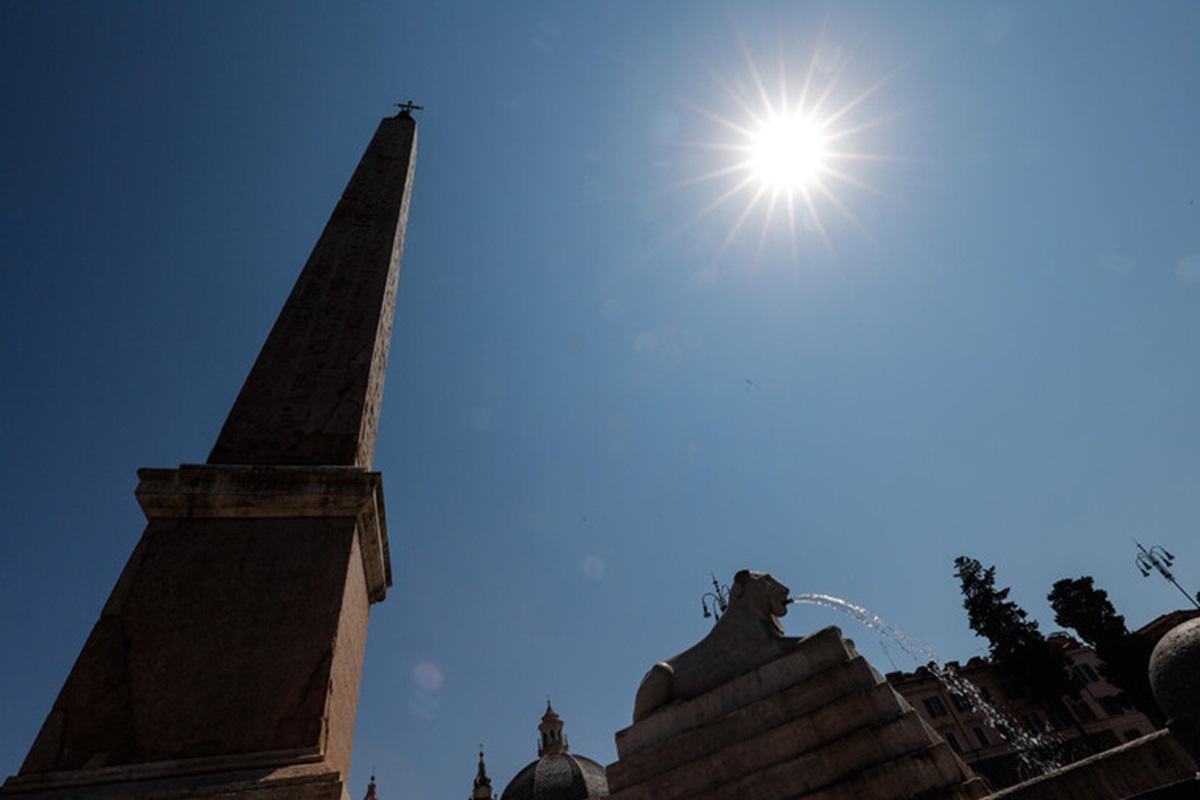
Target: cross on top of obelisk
{"points": [[408, 108]]}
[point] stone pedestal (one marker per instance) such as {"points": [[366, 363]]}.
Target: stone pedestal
{"points": [[230, 651], [817, 722], [286, 775]]}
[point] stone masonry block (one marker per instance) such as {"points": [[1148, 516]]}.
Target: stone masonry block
{"points": [[933, 773], [220, 638], [825, 706], [812, 655], [1126, 771], [240, 492], [767, 766], [283, 775]]}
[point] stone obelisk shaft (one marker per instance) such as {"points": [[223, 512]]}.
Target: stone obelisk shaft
{"points": [[313, 396]]}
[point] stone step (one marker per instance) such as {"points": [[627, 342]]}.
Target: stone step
{"points": [[826, 706], [768, 766], [813, 654], [933, 773]]}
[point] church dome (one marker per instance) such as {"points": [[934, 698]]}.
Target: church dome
{"points": [[557, 774]]}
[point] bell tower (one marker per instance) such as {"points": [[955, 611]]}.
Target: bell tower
{"points": [[482, 788], [551, 730], [226, 662]]}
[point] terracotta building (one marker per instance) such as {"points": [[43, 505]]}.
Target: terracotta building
{"points": [[973, 730]]}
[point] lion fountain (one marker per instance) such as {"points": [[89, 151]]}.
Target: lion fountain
{"points": [[746, 635], [751, 712]]}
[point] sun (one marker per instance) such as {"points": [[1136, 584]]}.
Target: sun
{"points": [[791, 148], [788, 152]]}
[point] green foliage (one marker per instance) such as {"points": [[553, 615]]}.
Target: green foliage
{"points": [[1019, 652], [1078, 604]]}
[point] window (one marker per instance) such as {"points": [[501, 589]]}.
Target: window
{"points": [[985, 694], [1112, 704], [1083, 711], [1130, 735], [1086, 673], [980, 736], [935, 707], [1059, 718], [1013, 691], [952, 740], [1033, 723], [962, 702]]}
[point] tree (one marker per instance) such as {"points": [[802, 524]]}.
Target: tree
{"points": [[1078, 604], [1020, 654]]}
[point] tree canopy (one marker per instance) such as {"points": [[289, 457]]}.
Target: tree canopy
{"points": [[1020, 653], [1079, 605]]}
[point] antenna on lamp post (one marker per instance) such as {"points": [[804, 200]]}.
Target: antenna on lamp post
{"points": [[1158, 559]]}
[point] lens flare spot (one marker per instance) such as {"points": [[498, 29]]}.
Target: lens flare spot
{"points": [[593, 567], [1188, 268], [423, 705], [428, 676]]}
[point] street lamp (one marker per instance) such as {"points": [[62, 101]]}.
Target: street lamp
{"points": [[1157, 558], [720, 599]]}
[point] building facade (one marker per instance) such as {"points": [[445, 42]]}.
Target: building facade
{"points": [[997, 729]]}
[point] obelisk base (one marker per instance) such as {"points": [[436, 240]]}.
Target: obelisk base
{"points": [[267, 776], [230, 651]]}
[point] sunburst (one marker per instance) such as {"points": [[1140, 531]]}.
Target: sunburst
{"points": [[789, 154]]}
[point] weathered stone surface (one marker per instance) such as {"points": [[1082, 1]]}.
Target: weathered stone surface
{"points": [[263, 776], [776, 763], [819, 651], [221, 637], [1175, 678], [909, 777], [747, 634], [819, 708], [1135, 768], [196, 492], [817, 721], [312, 397]]}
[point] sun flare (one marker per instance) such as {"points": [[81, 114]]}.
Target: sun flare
{"points": [[792, 147], [788, 152]]}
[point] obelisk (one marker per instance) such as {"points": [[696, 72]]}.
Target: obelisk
{"points": [[227, 660]]}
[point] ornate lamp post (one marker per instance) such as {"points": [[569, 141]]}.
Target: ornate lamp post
{"points": [[720, 599], [1157, 558]]}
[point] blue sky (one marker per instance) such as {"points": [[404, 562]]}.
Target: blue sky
{"points": [[983, 341]]}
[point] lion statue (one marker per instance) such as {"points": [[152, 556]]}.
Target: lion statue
{"points": [[747, 634]]}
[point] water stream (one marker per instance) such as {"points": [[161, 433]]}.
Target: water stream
{"points": [[1030, 748]]}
